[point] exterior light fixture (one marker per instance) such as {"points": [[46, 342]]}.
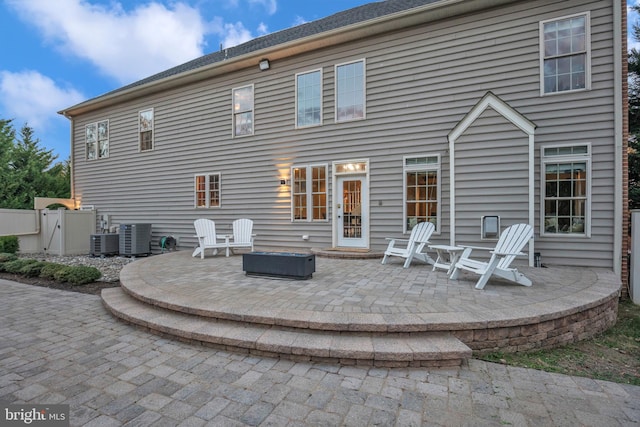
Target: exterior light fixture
{"points": [[283, 182], [264, 64]]}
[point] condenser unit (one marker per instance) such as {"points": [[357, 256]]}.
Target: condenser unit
{"points": [[135, 239], [104, 244]]}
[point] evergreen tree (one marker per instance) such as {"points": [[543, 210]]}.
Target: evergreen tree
{"points": [[26, 169]]}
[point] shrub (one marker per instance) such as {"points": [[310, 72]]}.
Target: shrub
{"points": [[33, 269], [49, 271], [5, 257], [9, 244], [17, 265], [78, 275]]}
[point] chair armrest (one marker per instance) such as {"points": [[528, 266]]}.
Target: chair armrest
{"points": [[483, 248], [396, 240], [506, 254]]}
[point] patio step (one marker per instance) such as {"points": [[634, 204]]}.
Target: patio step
{"points": [[431, 349]]}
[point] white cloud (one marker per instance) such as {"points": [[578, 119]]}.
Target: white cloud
{"points": [[299, 21], [126, 45], [235, 34], [30, 97], [263, 29]]}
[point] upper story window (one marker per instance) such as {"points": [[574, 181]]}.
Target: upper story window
{"points": [[565, 54], [309, 193], [207, 190], [566, 187], [97, 140], [421, 190], [243, 111], [350, 91], [309, 99], [145, 129]]}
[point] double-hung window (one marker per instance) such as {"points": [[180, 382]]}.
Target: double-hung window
{"points": [[350, 91], [567, 189], [421, 190], [565, 54], [309, 193], [97, 140], [243, 111], [145, 129], [207, 190], [309, 99]]}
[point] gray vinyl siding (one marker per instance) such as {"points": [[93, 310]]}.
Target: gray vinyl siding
{"points": [[420, 83]]}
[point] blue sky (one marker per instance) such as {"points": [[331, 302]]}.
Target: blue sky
{"points": [[57, 53]]}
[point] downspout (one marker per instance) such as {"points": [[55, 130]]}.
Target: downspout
{"points": [[72, 183], [618, 124]]}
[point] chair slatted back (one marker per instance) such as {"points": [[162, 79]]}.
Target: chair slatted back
{"points": [[512, 240], [206, 228], [421, 234], [242, 229]]}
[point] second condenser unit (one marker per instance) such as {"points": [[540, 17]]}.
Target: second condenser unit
{"points": [[135, 239]]}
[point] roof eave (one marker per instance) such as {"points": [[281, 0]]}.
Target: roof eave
{"points": [[407, 18]]}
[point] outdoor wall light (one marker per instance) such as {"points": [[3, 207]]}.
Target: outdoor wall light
{"points": [[264, 64], [283, 182]]}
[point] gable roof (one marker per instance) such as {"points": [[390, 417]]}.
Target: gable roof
{"points": [[289, 41]]}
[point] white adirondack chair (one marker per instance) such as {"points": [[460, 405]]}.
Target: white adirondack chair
{"points": [[207, 239], [510, 245], [242, 234], [411, 248]]}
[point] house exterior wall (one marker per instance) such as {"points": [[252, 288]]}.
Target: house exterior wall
{"points": [[420, 82]]}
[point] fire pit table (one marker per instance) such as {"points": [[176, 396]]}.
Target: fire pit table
{"points": [[279, 264]]}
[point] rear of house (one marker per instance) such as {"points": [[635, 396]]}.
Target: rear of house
{"points": [[473, 115]]}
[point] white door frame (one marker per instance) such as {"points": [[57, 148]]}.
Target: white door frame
{"points": [[345, 169]]}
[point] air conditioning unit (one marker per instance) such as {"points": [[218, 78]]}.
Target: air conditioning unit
{"points": [[104, 244], [135, 239]]}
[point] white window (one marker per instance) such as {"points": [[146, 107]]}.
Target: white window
{"points": [[350, 91], [421, 191], [309, 99], [97, 140], [566, 188], [207, 190], [243, 111], [309, 193], [145, 129], [565, 56]]}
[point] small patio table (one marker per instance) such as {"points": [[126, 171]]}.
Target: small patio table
{"points": [[447, 256]]}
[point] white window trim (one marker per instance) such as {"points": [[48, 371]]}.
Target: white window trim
{"points": [[86, 145], [309, 192], [153, 131], [253, 111], [297, 126], [543, 189], [587, 41], [412, 168], [208, 193], [364, 90]]}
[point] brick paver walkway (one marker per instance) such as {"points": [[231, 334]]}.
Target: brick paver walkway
{"points": [[63, 347]]}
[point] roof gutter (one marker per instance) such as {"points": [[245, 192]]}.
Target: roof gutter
{"points": [[410, 17]]}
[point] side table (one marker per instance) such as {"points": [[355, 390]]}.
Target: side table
{"points": [[447, 256]]}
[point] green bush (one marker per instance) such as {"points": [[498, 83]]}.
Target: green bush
{"points": [[9, 244], [6, 257], [78, 275], [33, 269], [17, 265], [49, 271]]}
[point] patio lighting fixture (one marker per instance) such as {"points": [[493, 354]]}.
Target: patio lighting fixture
{"points": [[264, 64]]}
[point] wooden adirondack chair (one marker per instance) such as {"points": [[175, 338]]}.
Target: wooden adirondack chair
{"points": [[207, 239], [242, 234], [510, 244], [413, 247]]}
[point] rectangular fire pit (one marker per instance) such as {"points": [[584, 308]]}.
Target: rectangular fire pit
{"points": [[279, 264]]}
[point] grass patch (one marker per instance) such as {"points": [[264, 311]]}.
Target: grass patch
{"points": [[613, 355]]}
